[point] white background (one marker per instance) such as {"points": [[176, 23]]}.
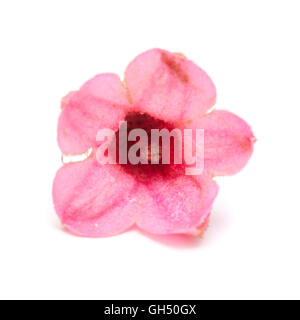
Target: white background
{"points": [[251, 51]]}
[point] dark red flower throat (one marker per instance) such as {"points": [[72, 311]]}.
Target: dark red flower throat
{"points": [[145, 171]]}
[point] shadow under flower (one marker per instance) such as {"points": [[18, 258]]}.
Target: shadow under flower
{"points": [[179, 241]]}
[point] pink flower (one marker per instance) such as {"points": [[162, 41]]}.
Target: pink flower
{"points": [[160, 89]]}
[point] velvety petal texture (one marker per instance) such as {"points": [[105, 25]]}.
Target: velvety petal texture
{"points": [[169, 86], [89, 200], [100, 103], [179, 205], [228, 142]]}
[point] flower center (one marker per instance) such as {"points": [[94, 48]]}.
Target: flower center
{"points": [[148, 152]]}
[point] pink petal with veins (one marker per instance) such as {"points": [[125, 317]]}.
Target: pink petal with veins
{"points": [[228, 142], [168, 86], [94, 200], [179, 205], [100, 103]]}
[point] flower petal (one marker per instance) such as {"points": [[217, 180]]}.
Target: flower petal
{"points": [[100, 103], [180, 205], [94, 200], [228, 142], [168, 86]]}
